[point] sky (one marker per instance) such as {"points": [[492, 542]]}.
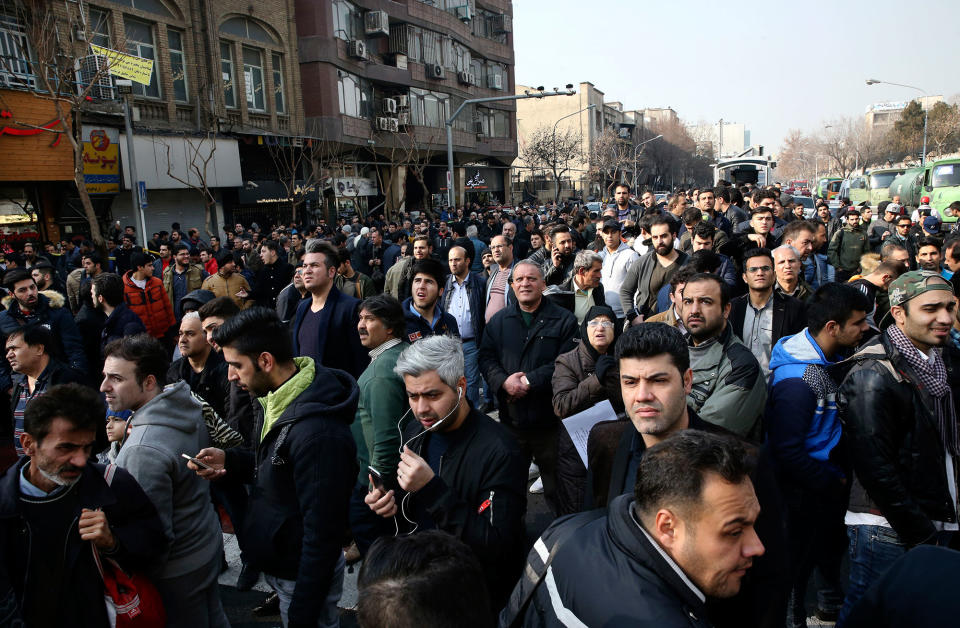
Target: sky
{"points": [[773, 66]]}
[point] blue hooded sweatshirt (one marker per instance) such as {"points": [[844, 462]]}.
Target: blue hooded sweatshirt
{"points": [[803, 427]]}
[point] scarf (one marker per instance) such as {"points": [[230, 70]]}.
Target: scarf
{"points": [[932, 376]]}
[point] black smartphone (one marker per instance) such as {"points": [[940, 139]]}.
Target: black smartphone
{"points": [[376, 477]]}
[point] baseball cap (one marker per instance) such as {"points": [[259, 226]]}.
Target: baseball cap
{"points": [[611, 224], [931, 224], [365, 231], [914, 283], [896, 208], [925, 200]]}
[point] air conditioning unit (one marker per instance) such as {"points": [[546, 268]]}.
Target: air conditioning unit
{"points": [[393, 125], [403, 101], [464, 78], [93, 70], [503, 24], [495, 81], [436, 71], [376, 23], [357, 49], [403, 119], [383, 124], [389, 105], [464, 14], [473, 78]]}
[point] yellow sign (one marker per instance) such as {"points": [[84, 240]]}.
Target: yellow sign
{"points": [[101, 160], [126, 66]]}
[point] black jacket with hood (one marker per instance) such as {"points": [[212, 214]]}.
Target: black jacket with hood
{"points": [[303, 471]]}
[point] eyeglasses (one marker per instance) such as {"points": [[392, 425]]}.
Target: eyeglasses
{"points": [[603, 324], [759, 269]]}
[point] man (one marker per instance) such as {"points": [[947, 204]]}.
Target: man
{"points": [[816, 269], [789, 269], [463, 295], [351, 282], [28, 306], [303, 465], [122, 255], [638, 292], [54, 505], [928, 254], [903, 239], [884, 227], [685, 536], [167, 423], [498, 293], [422, 310], [760, 232], [273, 276], [897, 406], [951, 257], [200, 366], [625, 211], [160, 264], [146, 296], [617, 258], [46, 279], [648, 204], [35, 371], [583, 290], [728, 383], [381, 405], [559, 268], [802, 236], [460, 471], [290, 297], [227, 282], [706, 203], [383, 255], [723, 203], [91, 267], [325, 325], [704, 237], [521, 246], [517, 354], [399, 277], [846, 247], [208, 262], [296, 248], [181, 277], [874, 287], [672, 316], [251, 255], [803, 432], [107, 293], [764, 315]]}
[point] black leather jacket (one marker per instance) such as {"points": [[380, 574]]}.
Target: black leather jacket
{"points": [[890, 426]]}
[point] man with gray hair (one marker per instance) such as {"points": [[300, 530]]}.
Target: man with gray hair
{"points": [[583, 290], [477, 493], [788, 269]]}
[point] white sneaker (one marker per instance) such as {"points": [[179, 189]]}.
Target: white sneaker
{"points": [[534, 471], [537, 487]]}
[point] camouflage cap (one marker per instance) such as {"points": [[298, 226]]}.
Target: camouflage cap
{"points": [[914, 283]]}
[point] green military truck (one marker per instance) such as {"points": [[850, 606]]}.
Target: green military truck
{"points": [[879, 181], [940, 180], [828, 187]]}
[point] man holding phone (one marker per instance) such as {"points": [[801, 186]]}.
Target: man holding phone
{"points": [[478, 493]]}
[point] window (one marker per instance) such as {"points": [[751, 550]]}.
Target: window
{"points": [[140, 43], [487, 24], [355, 96], [150, 6], [15, 52], [432, 53], [449, 58], [463, 61], [253, 78], [228, 74], [347, 20], [178, 68], [277, 62], [414, 43], [429, 108], [247, 29], [99, 24]]}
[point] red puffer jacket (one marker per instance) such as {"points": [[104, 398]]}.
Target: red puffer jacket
{"points": [[150, 304]]}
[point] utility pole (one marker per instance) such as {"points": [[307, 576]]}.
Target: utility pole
{"points": [[125, 89]]}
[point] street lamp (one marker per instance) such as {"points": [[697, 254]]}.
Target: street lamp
{"points": [[569, 115], [926, 112], [635, 153], [539, 93]]}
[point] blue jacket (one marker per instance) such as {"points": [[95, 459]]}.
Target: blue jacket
{"points": [[418, 327], [802, 424], [122, 322], [820, 274], [339, 342], [476, 290]]}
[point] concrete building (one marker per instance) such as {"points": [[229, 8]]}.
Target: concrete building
{"points": [[734, 135], [881, 116]]}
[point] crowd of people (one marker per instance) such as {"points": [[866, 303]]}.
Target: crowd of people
{"points": [[770, 393]]}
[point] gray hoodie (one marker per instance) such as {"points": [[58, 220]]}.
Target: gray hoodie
{"points": [[165, 427]]}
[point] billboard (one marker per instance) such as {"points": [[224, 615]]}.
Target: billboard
{"points": [[101, 159]]}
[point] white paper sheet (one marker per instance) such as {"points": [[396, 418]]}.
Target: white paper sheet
{"points": [[578, 425]]}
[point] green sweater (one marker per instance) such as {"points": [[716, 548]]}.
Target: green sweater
{"points": [[383, 400]]}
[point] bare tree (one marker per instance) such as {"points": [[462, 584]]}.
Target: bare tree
{"points": [[797, 157], [45, 63], [943, 129], [199, 154], [301, 163], [611, 157], [554, 151]]}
